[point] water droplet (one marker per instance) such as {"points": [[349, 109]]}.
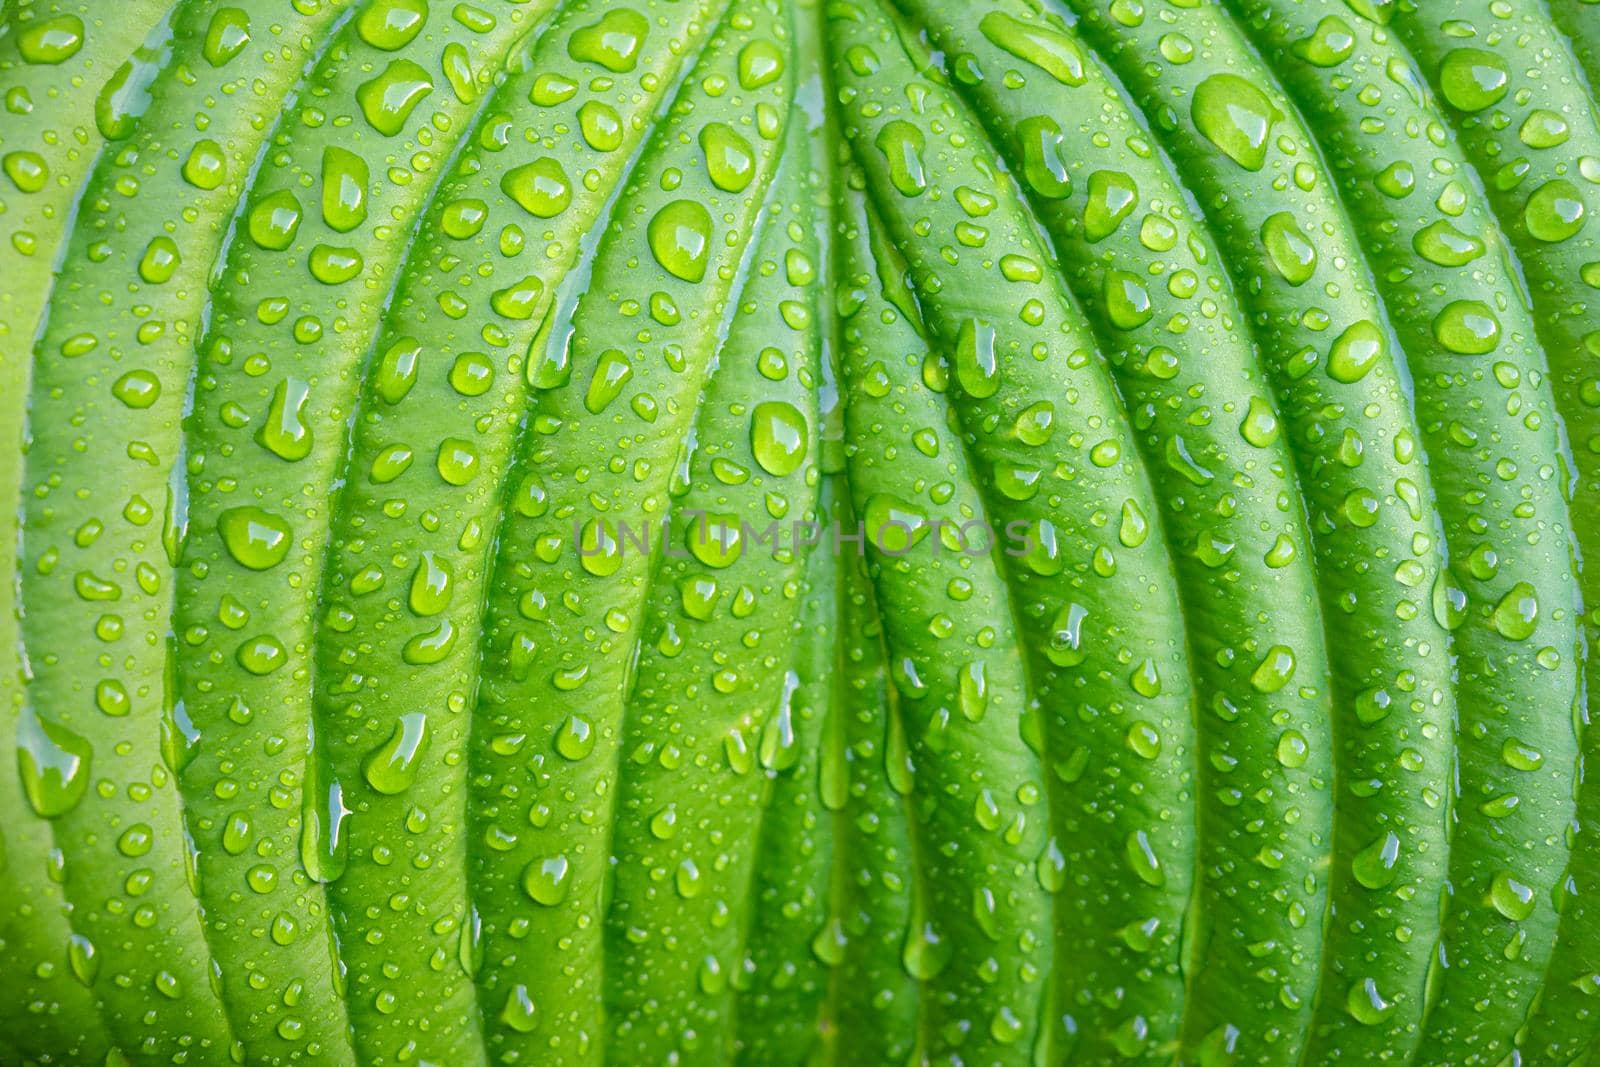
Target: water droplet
{"points": [[1127, 300], [53, 763], [262, 654], [894, 526], [344, 189], [612, 372], [397, 370], [613, 42], [1467, 327], [1356, 351], [1274, 670], [1440, 242], [519, 1012], [50, 41], [161, 260], [136, 840], [1034, 42], [1511, 898], [137, 389], [1365, 1004], [1036, 423], [1044, 167], [977, 365], [541, 187], [207, 168], [760, 63], [257, 539], [284, 431], [1472, 79], [1133, 529], [1373, 705], [430, 585], [1330, 44], [680, 239], [778, 437], [925, 953], [1142, 858], [335, 265], [84, 959], [1375, 865], [575, 740], [390, 25], [730, 161], [1290, 250], [27, 170], [391, 768], [1501, 806], [275, 220], [226, 36], [599, 549], [1293, 749], [1555, 211], [546, 880], [388, 100], [1397, 180], [1066, 636], [901, 144], [457, 461], [1236, 116], [236, 833], [687, 880], [1520, 756], [1544, 129], [1260, 426], [1144, 740], [323, 845], [600, 125], [1112, 198], [715, 540], [1516, 617]]}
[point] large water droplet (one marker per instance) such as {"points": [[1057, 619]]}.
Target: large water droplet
{"points": [[1236, 116], [546, 880], [1555, 211], [284, 431], [255, 538], [391, 768], [1034, 42], [275, 220], [902, 143], [1356, 351], [1467, 327], [1472, 79], [1374, 866], [388, 100], [613, 42], [730, 161], [778, 437], [50, 41], [53, 763], [680, 239], [226, 36], [344, 189], [541, 187], [390, 25], [760, 63], [1290, 250], [1516, 616], [1511, 897]]}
